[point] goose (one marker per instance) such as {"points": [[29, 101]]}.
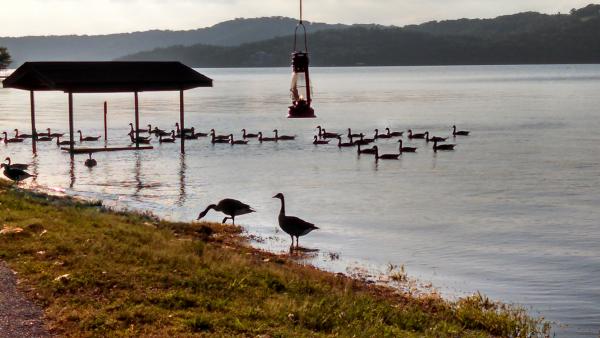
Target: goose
{"points": [[44, 139], [141, 139], [17, 135], [350, 135], [11, 140], [317, 141], [16, 165], [366, 151], [160, 132], [434, 138], [62, 143], [341, 144], [192, 135], [384, 156], [293, 226], [214, 140], [443, 146], [415, 136], [185, 130], [248, 135], [406, 149], [47, 133], [283, 137], [218, 137], [90, 138], [139, 130], [363, 141], [54, 134], [377, 135], [229, 207], [394, 133], [90, 162], [262, 139], [13, 174], [324, 134], [232, 141], [167, 140], [199, 134], [459, 133]]}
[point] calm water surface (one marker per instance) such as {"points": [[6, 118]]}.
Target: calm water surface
{"points": [[513, 212]]}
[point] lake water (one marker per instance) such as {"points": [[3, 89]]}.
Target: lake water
{"points": [[513, 212]]}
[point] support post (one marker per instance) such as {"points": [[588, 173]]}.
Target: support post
{"points": [[71, 138], [137, 121], [182, 121], [105, 127], [33, 131]]}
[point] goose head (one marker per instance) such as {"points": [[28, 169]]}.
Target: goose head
{"points": [[279, 196]]}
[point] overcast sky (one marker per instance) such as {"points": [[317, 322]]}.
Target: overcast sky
{"points": [[57, 17]]}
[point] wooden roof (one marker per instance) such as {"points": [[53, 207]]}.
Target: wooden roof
{"points": [[106, 77]]}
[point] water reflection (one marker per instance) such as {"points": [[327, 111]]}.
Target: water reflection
{"points": [[72, 171], [182, 168]]}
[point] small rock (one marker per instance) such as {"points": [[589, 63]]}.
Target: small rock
{"points": [[62, 278]]}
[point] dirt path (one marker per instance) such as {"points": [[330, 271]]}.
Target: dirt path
{"points": [[18, 316]]}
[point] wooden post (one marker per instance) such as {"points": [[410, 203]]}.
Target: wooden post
{"points": [[137, 121], [105, 128], [182, 121], [33, 131], [71, 138]]}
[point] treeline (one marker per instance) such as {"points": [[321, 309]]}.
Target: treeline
{"points": [[523, 38], [5, 59]]}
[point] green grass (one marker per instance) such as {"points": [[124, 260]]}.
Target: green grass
{"points": [[135, 275]]}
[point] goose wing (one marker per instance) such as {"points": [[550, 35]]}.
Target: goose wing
{"points": [[234, 207]]}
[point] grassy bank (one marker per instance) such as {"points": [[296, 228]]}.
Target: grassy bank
{"points": [[103, 273]]}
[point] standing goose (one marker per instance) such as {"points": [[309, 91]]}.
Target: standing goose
{"points": [[17, 135], [90, 162], [443, 146], [262, 139], [16, 165], [345, 145], [229, 207], [434, 138], [406, 149], [283, 137], [384, 156], [13, 174], [293, 226], [415, 136], [248, 135], [377, 135], [232, 141], [89, 138], [367, 151], [11, 140], [62, 143], [317, 141], [350, 135], [459, 133], [394, 133]]}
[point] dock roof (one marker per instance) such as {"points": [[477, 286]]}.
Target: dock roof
{"points": [[105, 77]]}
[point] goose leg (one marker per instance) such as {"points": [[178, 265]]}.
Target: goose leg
{"points": [[233, 219], [225, 220], [292, 246], [297, 244]]}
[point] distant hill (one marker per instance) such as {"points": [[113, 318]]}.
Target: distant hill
{"points": [[108, 47], [514, 39]]}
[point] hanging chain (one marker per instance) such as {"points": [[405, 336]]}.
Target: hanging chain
{"points": [[300, 11]]}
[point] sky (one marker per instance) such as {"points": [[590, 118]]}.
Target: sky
{"points": [[60, 17]]}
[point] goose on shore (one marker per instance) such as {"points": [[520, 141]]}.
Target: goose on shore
{"points": [[62, 143], [293, 226], [317, 141], [324, 134], [246, 135], [16, 165], [343, 144], [377, 135], [406, 149], [17, 135], [443, 146], [90, 138], [90, 162], [459, 133], [162, 139], [232, 141], [229, 207], [350, 135], [11, 140], [13, 174], [415, 136], [394, 133], [371, 151], [384, 156], [434, 138], [262, 139], [283, 137]]}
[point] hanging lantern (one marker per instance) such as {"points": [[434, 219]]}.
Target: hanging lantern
{"points": [[300, 89]]}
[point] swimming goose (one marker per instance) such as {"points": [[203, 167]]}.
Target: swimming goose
{"points": [[55, 134], [232, 141], [384, 156], [185, 130], [132, 131], [43, 138], [363, 141], [377, 135], [218, 137], [62, 143], [214, 140], [324, 134], [141, 139], [13, 174], [192, 135], [394, 133], [283, 137], [11, 140], [434, 138], [90, 162], [16, 165], [442, 146], [350, 135], [17, 135], [293, 226], [229, 207], [459, 133], [366, 151], [415, 136], [406, 149], [262, 139], [47, 133], [160, 132], [167, 140], [89, 138], [248, 135], [317, 141], [340, 144]]}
